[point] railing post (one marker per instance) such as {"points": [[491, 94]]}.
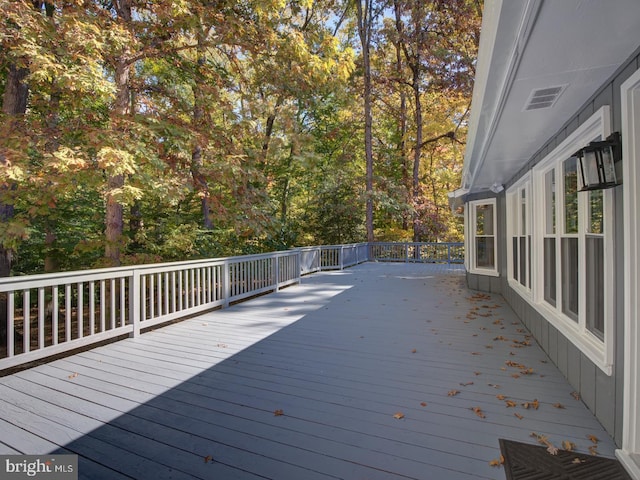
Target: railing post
{"points": [[406, 252], [341, 257], [135, 303], [448, 253], [226, 283], [276, 271]]}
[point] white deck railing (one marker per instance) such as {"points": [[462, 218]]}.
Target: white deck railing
{"points": [[45, 315]]}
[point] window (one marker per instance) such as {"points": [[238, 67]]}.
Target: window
{"points": [[482, 242], [519, 232], [572, 246]]}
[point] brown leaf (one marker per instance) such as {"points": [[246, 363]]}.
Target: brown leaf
{"points": [[515, 375], [453, 393], [575, 395], [568, 446], [578, 460], [511, 404], [477, 373], [552, 450], [518, 416], [496, 462], [478, 411], [593, 450], [593, 438], [500, 396], [558, 405], [208, 459], [398, 415], [414, 350], [466, 384], [73, 375], [476, 353], [423, 404], [278, 413]]}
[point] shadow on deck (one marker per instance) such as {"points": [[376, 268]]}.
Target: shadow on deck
{"points": [[382, 371]]}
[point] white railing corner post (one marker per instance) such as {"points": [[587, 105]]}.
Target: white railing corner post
{"points": [[299, 265], [226, 284], [135, 303]]}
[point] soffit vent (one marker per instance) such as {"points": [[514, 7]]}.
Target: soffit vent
{"points": [[544, 97]]}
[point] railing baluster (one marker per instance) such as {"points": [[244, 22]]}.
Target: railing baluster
{"points": [[112, 302], [26, 321], [67, 312], [11, 324], [92, 308], [41, 314], [80, 310], [54, 315], [103, 307], [123, 300]]}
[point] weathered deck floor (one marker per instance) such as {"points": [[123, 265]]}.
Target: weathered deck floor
{"points": [[339, 355]]}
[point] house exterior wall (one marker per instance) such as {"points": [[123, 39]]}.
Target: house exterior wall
{"points": [[601, 392]]}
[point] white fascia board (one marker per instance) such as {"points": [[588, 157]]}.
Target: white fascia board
{"points": [[509, 25]]}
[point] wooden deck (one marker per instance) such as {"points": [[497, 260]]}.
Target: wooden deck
{"points": [[304, 384]]}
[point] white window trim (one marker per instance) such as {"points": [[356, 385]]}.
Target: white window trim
{"points": [[629, 454], [600, 352], [515, 189], [470, 227]]}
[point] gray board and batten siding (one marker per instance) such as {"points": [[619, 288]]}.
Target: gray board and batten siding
{"points": [[603, 394]]}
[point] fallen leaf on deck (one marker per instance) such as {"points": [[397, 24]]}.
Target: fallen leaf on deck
{"points": [[453, 393], [511, 404], [500, 396], [515, 375], [466, 384], [535, 404], [552, 450], [476, 353], [558, 405], [568, 446], [414, 350], [497, 461], [477, 373], [278, 413], [423, 404], [478, 411], [398, 415], [578, 460], [593, 450], [575, 395], [73, 375], [593, 438], [208, 459], [518, 416]]}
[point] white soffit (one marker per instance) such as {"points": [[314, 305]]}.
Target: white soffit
{"points": [[533, 45]]}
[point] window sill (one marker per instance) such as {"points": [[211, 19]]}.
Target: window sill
{"points": [[489, 272]]}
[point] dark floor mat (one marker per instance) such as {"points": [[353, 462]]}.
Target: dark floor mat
{"points": [[533, 462]]}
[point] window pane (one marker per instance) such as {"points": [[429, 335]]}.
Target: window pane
{"points": [[484, 252], [569, 275], [523, 213], [550, 270], [596, 211], [595, 285], [550, 202], [570, 196], [515, 258], [484, 220], [523, 260]]}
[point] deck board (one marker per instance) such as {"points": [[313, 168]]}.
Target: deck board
{"points": [[339, 354]]}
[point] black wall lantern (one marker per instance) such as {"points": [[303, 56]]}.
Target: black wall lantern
{"points": [[596, 163]]}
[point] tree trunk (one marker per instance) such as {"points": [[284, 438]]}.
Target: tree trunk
{"points": [[402, 120], [114, 214], [365, 20], [199, 179], [14, 105]]}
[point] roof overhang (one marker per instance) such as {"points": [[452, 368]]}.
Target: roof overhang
{"points": [[572, 46]]}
